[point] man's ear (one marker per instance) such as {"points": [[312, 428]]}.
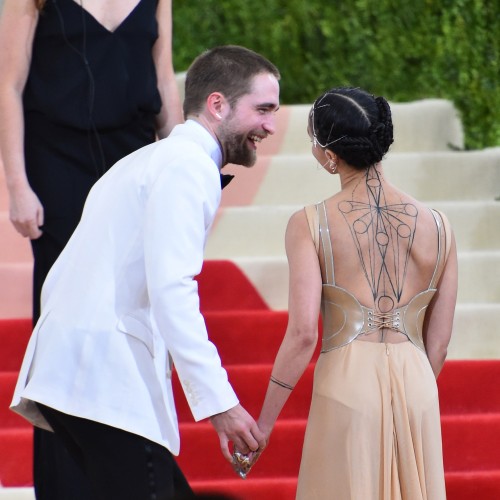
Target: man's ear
{"points": [[216, 104]]}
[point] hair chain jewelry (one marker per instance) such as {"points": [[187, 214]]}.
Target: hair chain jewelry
{"points": [[282, 384]]}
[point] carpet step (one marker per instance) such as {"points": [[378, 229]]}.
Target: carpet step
{"points": [[466, 387], [282, 488], [483, 485], [16, 458], [259, 333], [234, 292], [14, 336], [469, 444]]}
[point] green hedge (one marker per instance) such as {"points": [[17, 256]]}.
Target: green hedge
{"points": [[404, 50]]}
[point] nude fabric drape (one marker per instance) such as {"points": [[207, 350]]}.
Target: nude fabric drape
{"points": [[374, 427]]}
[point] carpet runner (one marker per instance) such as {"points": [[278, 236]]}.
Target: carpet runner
{"points": [[248, 335]]}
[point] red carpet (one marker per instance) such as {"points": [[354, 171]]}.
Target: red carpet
{"points": [[248, 335]]}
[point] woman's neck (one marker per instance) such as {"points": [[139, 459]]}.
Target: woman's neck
{"points": [[351, 177]]}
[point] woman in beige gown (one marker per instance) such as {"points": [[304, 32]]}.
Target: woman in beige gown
{"points": [[382, 267]]}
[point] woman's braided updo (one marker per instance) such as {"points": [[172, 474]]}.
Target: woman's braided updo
{"points": [[353, 124]]}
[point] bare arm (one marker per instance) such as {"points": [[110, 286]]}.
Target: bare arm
{"points": [[171, 111], [439, 317], [17, 27], [301, 334]]}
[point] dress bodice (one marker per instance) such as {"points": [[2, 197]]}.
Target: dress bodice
{"points": [[344, 317]]}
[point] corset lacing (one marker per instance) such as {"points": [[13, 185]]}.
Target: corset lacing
{"points": [[378, 321]]}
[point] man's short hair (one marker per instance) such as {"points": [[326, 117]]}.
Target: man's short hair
{"points": [[228, 69]]}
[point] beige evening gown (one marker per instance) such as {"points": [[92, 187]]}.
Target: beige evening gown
{"points": [[374, 430]]}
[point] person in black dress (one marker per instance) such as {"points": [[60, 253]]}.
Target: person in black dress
{"points": [[84, 83]]}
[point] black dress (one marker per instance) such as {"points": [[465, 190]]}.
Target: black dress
{"points": [[90, 99]]}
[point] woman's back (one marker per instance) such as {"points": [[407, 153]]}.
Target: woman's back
{"points": [[384, 244]]}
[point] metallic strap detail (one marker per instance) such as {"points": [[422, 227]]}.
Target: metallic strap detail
{"points": [[344, 318]]}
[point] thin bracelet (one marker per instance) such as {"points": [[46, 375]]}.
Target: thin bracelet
{"points": [[282, 384]]}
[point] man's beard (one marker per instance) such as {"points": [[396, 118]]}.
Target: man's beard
{"points": [[237, 150]]}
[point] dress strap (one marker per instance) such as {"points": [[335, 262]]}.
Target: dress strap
{"points": [[318, 225], [326, 243], [443, 228], [313, 221]]}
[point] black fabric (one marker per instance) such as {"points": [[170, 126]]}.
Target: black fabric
{"points": [[225, 179], [91, 98], [79, 68], [118, 464], [50, 454]]}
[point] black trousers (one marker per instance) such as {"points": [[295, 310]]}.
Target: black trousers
{"points": [[119, 465]]}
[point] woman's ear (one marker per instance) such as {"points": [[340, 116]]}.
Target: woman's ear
{"points": [[331, 155]]}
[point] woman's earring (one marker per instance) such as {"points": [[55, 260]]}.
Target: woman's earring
{"points": [[332, 166]]}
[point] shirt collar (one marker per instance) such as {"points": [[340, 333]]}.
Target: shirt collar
{"points": [[207, 141]]}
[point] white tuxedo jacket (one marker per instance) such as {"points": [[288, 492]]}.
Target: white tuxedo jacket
{"points": [[121, 298]]}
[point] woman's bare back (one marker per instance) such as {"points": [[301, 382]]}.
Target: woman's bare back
{"points": [[385, 246]]}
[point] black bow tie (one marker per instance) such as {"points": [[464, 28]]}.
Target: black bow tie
{"points": [[225, 179]]}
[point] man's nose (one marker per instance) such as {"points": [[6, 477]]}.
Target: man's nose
{"points": [[270, 123]]}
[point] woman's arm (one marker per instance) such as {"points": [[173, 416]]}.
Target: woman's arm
{"points": [[301, 334], [171, 110], [17, 28], [438, 322]]}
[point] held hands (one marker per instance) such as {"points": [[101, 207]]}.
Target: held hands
{"points": [[236, 425], [26, 213], [243, 462]]}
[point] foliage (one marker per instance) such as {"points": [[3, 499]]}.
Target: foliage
{"points": [[402, 49]]}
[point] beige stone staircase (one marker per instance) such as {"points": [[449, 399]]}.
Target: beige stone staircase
{"points": [[249, 230], [463, 184]]}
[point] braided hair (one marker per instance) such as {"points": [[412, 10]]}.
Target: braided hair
{"points": [[353, 124]]}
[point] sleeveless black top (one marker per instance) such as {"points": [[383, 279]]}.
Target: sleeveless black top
{"points": [[90, 99], [83, 75]]}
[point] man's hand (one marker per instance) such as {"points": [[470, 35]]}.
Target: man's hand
{"points": [[236, 425]]}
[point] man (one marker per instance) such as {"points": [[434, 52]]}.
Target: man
{"points": [[121, 300]]}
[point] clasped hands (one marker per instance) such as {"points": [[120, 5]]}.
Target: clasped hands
{"points": [[237, 426]]}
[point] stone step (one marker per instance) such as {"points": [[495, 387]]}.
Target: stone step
{"points": [[475, 332], [16, 290], [17, 493], [476, 322], [259, 230], [479, 277], [423, 125], [13, 247], [479, 281], [298, 179]]}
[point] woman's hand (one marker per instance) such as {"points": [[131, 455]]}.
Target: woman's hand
{"points": [[26, 212]]}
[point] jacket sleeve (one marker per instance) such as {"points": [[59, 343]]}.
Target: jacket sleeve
{"points": [[180, 209]]}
